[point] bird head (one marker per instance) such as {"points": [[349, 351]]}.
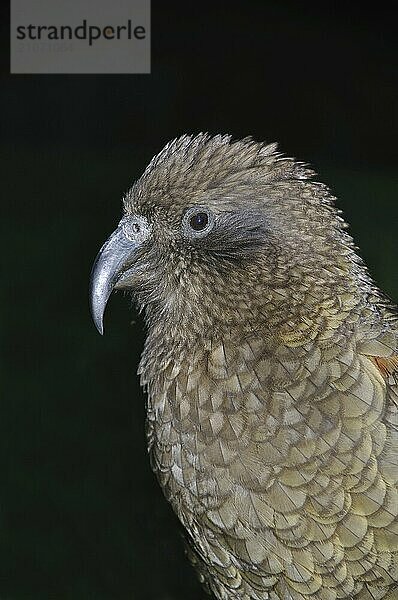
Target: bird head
{"points": [[220, 235]]}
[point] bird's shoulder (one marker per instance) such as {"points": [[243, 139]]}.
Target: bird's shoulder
{"points": [[381, 350]]}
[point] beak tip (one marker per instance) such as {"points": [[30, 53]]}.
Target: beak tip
{"points": [[99, 296], [98, 322]]}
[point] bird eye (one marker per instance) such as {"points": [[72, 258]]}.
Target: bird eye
{"points": [[199, 221]]}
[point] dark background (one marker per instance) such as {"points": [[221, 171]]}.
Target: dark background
{"points": [[81, 515]]}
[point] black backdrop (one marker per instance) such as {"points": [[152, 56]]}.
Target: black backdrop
{"points": [[80, 513]]}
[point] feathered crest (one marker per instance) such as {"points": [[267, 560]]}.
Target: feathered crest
{"points": [[205, 162]]}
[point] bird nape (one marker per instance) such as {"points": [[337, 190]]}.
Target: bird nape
{"points": [[271, 368]]}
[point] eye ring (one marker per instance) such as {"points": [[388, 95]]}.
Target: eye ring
{"points": [[198, 221]]}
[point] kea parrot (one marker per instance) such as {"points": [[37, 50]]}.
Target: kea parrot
{"points": [[271, 371]]}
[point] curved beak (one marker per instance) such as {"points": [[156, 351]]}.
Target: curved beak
{"points": [[111, 262]]}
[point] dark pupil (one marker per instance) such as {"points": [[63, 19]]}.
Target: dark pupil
{"points": [[199, 221]]}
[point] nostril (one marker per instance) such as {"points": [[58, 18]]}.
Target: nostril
{"points": [[135, 228]]}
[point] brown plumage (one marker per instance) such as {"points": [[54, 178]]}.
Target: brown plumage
{"points": [[271, 367]]}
